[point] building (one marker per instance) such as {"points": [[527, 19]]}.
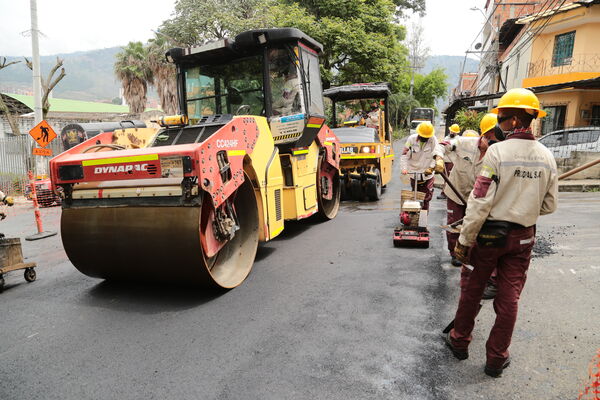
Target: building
{"points": [[550, 47], [466, 86], [566, 50]]}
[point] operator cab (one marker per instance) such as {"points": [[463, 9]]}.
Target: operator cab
{"points": [[350, 108], [272, 73]]}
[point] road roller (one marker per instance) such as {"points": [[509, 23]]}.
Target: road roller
{"points": [[190, 201], [367, 155]]}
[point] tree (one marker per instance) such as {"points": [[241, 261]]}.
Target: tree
{"points": [[431, 86], [163, 72], [400, 105], [14, 126], [131, 68], [417, 51], [49, 83], [468, 119], [198, 21]]}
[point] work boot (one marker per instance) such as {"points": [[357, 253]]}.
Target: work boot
{"points": [[441, 196], [489, 292], [461, 354], [496, 372], [455, 262]]}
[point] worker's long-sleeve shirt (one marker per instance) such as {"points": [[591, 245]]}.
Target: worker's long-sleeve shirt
{"points": [[449, 157], [417, 156], [467, 164], [518, 182]]}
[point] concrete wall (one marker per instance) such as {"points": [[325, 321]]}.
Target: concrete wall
{"points": [[577, 159]]}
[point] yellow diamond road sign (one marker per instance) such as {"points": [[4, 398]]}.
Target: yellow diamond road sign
{"points": [[43, 133]]}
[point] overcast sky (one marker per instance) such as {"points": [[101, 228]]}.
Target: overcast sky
{"points": [[75, 25]]}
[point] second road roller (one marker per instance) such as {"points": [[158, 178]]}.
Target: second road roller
{"points": [[190, 202]]}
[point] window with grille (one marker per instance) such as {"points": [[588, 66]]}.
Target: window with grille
{"points": [[595, 116], [563, 49]]}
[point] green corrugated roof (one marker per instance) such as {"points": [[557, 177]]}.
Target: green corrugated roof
{"points": [[65, 105]]}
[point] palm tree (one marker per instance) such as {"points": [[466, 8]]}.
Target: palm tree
{"points": [[164, 74], [131, 68]]}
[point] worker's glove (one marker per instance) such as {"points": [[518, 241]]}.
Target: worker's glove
{"points": [[404, 172], [461, 253], [428, 171], [439, 166], [9, 201]]}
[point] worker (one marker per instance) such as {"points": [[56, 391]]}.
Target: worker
{"points": [[373, 116], [518, 182], [454, 131], [285, 85], [467, 151], [418, 159], [5, 200]]}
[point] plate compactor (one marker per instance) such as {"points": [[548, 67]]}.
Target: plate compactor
{"points": [[413, 232]]}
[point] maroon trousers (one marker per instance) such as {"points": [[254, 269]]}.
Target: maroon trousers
{"points": [[424, 187], [511, 262], [455, 212]]}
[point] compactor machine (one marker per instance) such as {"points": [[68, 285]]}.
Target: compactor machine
{"points": [[191, 201], [366, 138]]}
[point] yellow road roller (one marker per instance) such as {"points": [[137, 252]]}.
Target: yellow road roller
{"points": [[190, 202], [362, 126]]}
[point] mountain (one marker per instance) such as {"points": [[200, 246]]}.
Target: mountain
{"points": [[89, 75], [453, 66]]}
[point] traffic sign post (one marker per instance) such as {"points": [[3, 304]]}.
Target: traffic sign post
{"points": [[42, 134]]}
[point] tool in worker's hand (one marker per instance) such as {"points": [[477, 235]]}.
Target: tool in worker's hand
{"points": [[413, 232]]}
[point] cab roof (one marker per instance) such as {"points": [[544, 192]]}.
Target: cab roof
{"points": [[359, 91], [245, 44]]}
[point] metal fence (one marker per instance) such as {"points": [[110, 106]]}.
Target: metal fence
{"points": [[16, 160], [565, 141]]}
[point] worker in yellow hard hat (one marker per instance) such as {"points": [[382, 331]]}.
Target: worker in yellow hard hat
{"points": [[454, 131], [517, 183], [472, 148], [418, 159], [5, 200]]}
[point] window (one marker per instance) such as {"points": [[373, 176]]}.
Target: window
{"points": [[225, 89], [582, 137], [313, 75], [563, 49], [286, 88], [595, 121], [555, 119], [553, 140]]}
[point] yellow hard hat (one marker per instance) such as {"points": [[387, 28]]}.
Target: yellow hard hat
{"points": [[520, 98], [425, 129], [488, 122], [454, 128], [470, 133]]}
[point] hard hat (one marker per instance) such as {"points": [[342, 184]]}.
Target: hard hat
{"points": [[470, 133], [425, 129], [521, 98], [488, 122], [454, 128]]}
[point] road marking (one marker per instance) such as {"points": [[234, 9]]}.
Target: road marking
{"points": [[573, 271], [561, 271]]}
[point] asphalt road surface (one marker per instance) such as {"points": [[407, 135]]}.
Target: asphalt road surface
{"points": [[330, 311]]}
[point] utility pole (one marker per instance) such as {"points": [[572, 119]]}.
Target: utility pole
{"points": [[40, 166]]}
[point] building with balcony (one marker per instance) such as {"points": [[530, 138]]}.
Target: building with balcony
{"points": [[566, 51]]}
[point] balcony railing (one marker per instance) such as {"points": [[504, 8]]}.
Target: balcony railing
{"points": [[576, 63]]}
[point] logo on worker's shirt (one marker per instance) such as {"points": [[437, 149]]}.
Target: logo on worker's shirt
{"points": [[125, 168]]}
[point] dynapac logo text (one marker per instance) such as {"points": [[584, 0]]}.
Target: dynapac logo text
{"points": [[112, 169]]}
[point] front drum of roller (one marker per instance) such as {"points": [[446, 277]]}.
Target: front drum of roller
{"points": [[159, 244]]}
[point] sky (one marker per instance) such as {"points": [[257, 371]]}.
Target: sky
{"points": [[76, 25], [450, 25]]}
